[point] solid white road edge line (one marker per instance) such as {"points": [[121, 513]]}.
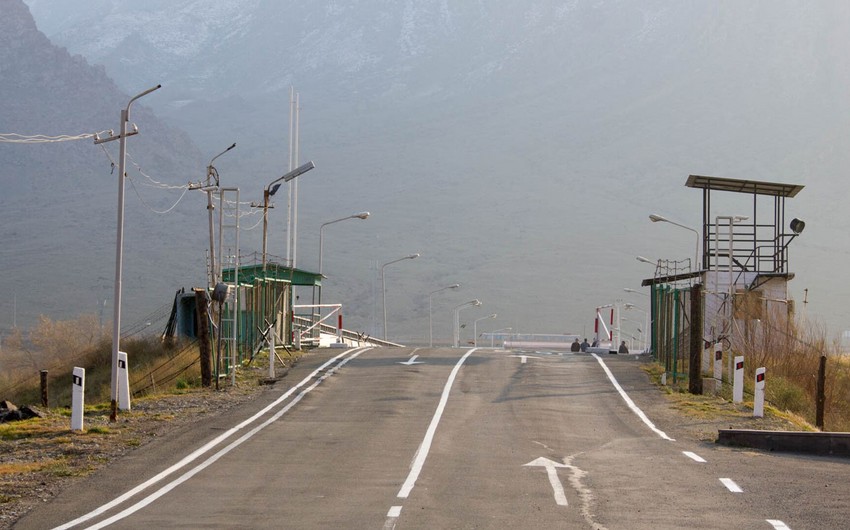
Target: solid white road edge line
{"points": [[212, 459], [425, 446], [731, 486], [631, 403], [191, 457]]}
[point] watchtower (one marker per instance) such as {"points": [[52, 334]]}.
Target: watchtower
{"points": [[745, 256]]}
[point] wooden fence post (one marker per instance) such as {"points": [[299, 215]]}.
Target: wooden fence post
{"points": [[45, 402], [697, 342], [202, 308], [821, 393]]}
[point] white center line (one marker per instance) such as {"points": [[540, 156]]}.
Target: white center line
{"points": [[695, 457], [731, 486], [425, 446], [778, 525], [395, 511]]}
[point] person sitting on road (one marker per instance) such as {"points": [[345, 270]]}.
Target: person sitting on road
{"points": [[595, 343], [575, 346], [623, 347], [585, 345]]}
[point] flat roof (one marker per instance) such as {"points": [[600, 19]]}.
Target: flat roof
{"points": [[776, 189]]}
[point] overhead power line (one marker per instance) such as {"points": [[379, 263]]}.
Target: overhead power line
{"points": [[15, 138]]}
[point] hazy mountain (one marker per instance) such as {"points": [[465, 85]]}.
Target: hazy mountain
{"points": [[59, 200], [518, 147]]}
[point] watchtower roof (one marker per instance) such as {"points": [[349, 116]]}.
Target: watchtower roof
{"points": [[776, 189]]}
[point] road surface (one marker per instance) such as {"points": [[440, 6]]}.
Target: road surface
{"points": [[454, 438]]}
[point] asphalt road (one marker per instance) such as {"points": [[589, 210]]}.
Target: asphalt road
{"points": [[454, 438]]}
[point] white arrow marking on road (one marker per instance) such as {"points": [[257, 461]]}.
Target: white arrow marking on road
{"points": [[411, 361], [550, 465]]}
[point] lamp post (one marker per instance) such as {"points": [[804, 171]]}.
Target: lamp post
{"points": [[634, 291], [475, 326], [430, 318], [384, 286], [119, 243], [645, 317], [456, 310], [270, 190], [361, 215], [658, 218], [212, 184], [493, 333]]}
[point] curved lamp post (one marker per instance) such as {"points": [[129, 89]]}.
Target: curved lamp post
{"points": [[492, 334], [119, 243], [646, 321], [384, 286], [270, 190], [475, 326], [658, 218], [456, 310], [361, 215], [430, 318]]}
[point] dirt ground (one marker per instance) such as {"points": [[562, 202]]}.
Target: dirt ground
{"points": [[41, 457]]}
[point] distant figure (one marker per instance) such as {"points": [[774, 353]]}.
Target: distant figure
{"points": [[575, 346], [623, 348], [585, 345], [595, 343]]}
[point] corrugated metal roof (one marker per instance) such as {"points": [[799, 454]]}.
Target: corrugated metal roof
{"points": [[776, 189]]}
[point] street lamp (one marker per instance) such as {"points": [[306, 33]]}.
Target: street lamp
{"points": [[658, 218], [645, 317], [209, 187], [430, 318], [361, 215], [494, 333], [119, 243], [270, 190], [456, 310], [384, 286], [475, 326], [634, 291], [646, 260]]}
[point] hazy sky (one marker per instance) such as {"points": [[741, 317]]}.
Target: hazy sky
{"points": [[519, 148]]}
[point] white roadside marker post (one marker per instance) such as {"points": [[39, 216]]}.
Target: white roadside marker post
{"points": [[123, 382], [738, 381], [718, 364], [78, 398], [758, 400]]}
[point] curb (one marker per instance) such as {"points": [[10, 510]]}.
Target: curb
{"points": [[813, 443]]}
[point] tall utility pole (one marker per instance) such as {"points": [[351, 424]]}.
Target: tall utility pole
{"points": [[210, 188], [297, 147], [119, 243]]}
